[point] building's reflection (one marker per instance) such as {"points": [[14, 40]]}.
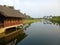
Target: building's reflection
{"points": [[26, 26], [13, 38]]}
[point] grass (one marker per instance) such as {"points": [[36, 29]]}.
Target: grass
{"points": [[30, 21]]}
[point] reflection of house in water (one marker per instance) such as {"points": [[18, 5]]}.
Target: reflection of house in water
{"points": [[13, 38], [9, 16], [26, 26]]}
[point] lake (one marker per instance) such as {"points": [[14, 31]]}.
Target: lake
{"points": [[38, 33], [42, 33]]}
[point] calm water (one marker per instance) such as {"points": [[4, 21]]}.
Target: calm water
{"points": [[39, 33], [42, 33]]}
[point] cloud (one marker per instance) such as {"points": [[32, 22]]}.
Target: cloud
{"points": [[35, 7], [7, 2]]}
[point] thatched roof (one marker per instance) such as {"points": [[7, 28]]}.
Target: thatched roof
{"points": [[10, 12]]}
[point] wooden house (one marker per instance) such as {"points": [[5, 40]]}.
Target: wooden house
{"points": [[9, 16]]}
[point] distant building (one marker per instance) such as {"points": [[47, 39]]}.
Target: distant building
{"points": [[9, 16]]}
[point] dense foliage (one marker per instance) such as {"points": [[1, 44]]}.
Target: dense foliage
{"points": [[55, 19]]}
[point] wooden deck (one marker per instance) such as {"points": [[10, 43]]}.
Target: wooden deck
{"points": [[4, 29]]}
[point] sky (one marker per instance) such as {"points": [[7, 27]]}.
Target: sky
{"points": [[35, 8]]}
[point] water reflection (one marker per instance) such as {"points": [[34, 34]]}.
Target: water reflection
{"points": [[55, 23], [46, 21], [26, 26], [12, 38], [42, 33], [50, 22], [17, 39]]}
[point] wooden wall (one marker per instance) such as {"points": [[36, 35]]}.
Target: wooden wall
{"points": [[12, 21]]}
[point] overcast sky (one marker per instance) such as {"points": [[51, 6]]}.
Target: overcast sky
{"points": [[35, 8]]}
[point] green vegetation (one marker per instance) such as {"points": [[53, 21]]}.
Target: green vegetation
{"points": [[55, 19], [27, 21]]}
